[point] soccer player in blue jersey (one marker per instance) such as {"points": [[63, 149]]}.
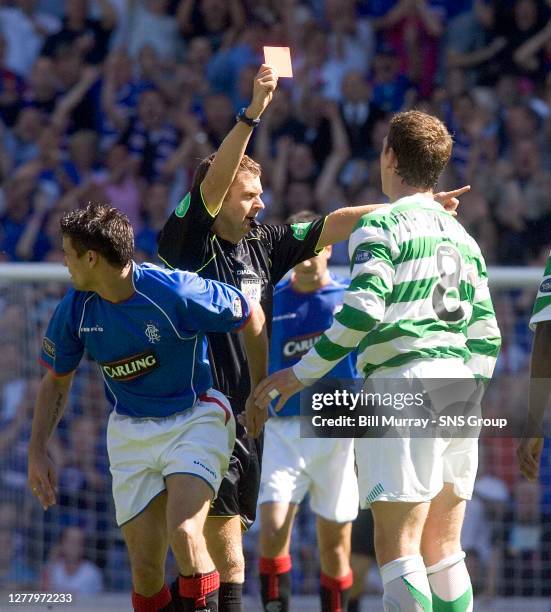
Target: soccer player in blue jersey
{"points": [[170, 435], [293, 466]]}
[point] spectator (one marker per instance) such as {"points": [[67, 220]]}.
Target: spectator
{"points": [[150, 138], [81, 34], [152, 25], [68, 570], [42, 88], [15, 573], [120, 184], [119, 97], [519, 24], [154, 213], [392, 90], [474, 44], [11, 88], [25, 29], [20, 142], [218, 20], [359, 113]]}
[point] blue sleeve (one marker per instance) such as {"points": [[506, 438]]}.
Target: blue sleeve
{"points": [[62, 349], [211, 306]]}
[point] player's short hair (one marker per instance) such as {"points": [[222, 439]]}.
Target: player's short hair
{"points": [[101, 228], [422, 145], [247, 164], [303, 216]]}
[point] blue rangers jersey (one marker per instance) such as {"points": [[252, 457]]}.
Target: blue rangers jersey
{"points": [[151, 348], [299, 320]]}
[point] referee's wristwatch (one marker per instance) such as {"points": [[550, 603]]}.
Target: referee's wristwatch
{"points": [[242, 116]]}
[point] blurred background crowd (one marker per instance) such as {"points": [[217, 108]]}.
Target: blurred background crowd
{"points": [[118, 100]]}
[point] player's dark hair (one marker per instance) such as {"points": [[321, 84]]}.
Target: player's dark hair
{"points": [[303, 216], [422, 146], [246, 164], [100, 228]]}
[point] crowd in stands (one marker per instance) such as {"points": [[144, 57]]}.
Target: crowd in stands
{"points": [[117, 101]]}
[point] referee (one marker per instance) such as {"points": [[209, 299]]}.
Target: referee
{"points": [[213, 231]]}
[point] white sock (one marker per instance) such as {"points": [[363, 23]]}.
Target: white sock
{"points": [[406, 585], [450, 582]]}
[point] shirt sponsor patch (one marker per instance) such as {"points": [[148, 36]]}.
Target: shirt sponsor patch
{"points": [[183, 206], [130, 367], [297, 347], [237, 308], [49, 347], [362, 257], [545, 287], [300, 230]]}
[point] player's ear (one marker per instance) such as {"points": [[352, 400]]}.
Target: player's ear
{"points": [[91, 258], [328, 250]]}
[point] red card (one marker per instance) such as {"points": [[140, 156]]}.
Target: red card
{"points": [[280, 59]]}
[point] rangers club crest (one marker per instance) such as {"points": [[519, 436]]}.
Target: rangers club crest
{"points": [[152, 332]]}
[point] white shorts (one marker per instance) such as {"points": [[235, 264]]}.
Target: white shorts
{"points": [[415, 469], [293, 466], [144, 451]]}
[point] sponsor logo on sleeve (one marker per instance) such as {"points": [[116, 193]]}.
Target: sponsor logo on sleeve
{"points": [[49, 347], [131, 367], [361, 257], [300, 230], [183, 206], [237, 308], [545, 287]]}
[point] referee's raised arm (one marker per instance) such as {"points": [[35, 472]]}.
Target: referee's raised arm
{"points": [[223, 169]]}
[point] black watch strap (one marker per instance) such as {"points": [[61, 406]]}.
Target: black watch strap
{"points": [[242, 116]]}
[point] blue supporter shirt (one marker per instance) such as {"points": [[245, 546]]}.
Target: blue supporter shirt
{"points": [[299, 319], [151, 348]]}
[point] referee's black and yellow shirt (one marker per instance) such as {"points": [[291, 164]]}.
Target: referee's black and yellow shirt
{"points": [[254, 265]]}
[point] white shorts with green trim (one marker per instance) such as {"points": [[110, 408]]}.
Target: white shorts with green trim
{"points": [[293, 466], [144, 451], [414, 469]]}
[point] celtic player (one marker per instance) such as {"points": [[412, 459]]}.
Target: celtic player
{"points": [[418, 307]]}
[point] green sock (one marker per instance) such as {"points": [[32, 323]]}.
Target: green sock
{"points": [[461, 604]]}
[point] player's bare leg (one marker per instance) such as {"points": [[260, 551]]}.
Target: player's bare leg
{"points": [[225, 544], [147, 543], [398, 531], [441, 549], [336, 575], [188, 503], [276, 523]]}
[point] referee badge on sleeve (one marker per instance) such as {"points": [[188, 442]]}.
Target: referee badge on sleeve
{"points": [[252, 288]]}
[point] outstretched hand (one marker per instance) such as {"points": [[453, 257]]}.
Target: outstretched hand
{"points": [[450, 199], [282, 385]]}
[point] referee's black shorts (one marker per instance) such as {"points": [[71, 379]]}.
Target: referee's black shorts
{"points": [[363, 534], [238, 493]]}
